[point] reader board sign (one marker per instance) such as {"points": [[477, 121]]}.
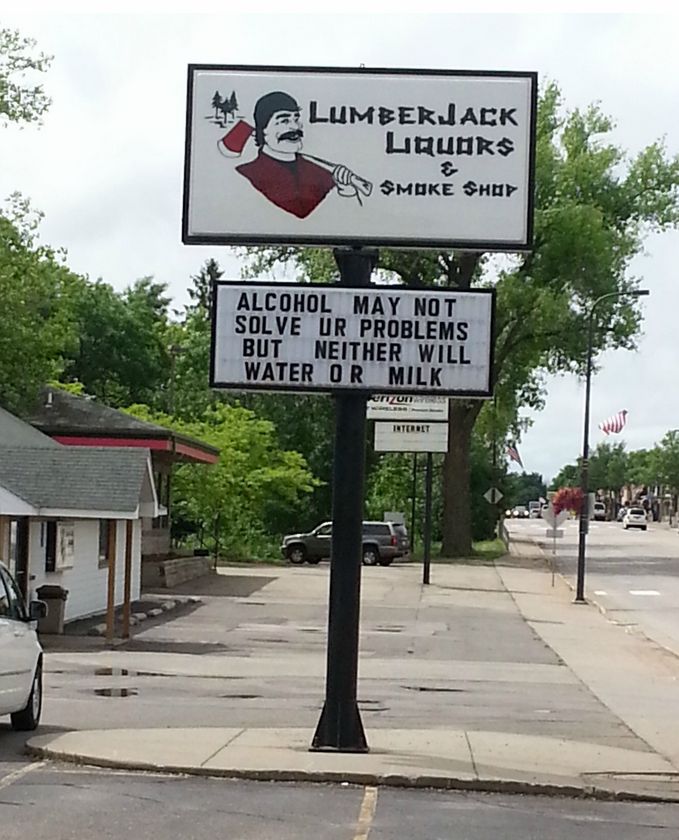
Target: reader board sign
{"points": [[332, 338], [411, 437], [407, 407], [335, 156]]}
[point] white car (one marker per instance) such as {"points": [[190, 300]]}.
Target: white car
{"points": [[635, 518], [20, 656]]}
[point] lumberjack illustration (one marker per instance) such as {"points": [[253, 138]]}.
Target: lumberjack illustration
{"points": [[295, 182]]}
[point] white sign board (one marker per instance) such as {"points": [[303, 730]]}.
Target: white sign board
{"points": [[552, 518], [411, 437], [324, 338], [407, 407], [332, 156], [493, 495]]}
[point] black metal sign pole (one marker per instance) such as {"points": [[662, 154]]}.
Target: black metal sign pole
{"points": [[339, 727], [427, 520]]}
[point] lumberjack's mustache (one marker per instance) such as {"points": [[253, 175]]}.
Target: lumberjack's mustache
{"points": [[297, 134]]}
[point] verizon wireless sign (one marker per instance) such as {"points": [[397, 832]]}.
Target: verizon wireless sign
{"points": [[407, 407], [323, 338], [333, 156]]}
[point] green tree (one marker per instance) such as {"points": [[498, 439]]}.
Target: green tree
{"points": [[667, 460], [36, 330], [608, 468], [21, 100], [524, 487], [568, 476], [200, 293], [593, 207], [642, 467], [121, 353], [254, 480]]}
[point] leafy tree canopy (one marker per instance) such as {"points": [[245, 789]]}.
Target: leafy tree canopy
{"points": [[21, 100], [246, 490]]}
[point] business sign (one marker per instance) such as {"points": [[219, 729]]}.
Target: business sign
{"points": [[407, 407], [331, 156], [331, 338], [411, 437]]}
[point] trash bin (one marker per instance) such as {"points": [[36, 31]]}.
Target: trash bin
{"points": [[55, 597]]}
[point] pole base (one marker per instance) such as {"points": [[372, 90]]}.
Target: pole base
{"points": [[347, 735], [580, 600]]}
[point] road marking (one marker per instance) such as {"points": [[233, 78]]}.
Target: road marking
{"points": [[600, 592], [367, 814], [10, 778], [644, 592]]}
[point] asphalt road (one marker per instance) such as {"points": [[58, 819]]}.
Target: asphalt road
{"points": [[48, 802], [633, 574]]}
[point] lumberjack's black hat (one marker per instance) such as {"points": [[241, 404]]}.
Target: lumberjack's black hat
{"points": [[267, 106]]}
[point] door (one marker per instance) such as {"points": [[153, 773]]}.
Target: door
{"points": [[319, 544], [21, 556], [18, 647]]}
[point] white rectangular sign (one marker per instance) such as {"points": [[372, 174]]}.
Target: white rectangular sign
{"points": [[332, 156], [407, 407], [411, 437], [329, 338]]}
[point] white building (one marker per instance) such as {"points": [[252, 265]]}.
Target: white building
{"points": [[72, 516]]}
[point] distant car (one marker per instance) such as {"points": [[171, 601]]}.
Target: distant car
{"points": [[599, 511], [635, 518], [20, 656], [520, 512], [534, 510], [383, 542]]}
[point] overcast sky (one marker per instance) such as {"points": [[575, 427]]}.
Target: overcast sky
{"points": [[106, 166]]}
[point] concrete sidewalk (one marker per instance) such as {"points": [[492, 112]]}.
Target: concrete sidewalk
{"points": [[616, 694]]}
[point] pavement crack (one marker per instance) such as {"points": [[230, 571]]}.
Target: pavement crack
{"points": [[223, 747], [471, 754]]}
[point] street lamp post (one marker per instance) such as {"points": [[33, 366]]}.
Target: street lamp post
{"points": [[584, 462]]}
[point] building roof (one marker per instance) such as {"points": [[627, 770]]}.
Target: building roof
{"points": [[14, 432], [83, 421], [76, 478]]}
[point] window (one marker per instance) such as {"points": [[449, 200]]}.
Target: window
{"points": [[50, 546], [376, 529], [11, 602], [324, 530], [162, 482], [107, 541], [65, 553]]}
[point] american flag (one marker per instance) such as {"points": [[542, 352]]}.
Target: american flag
{"points": [[615, 423], [513, 453]]}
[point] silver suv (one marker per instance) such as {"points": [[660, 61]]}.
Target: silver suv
{"points": [[383, 542]]}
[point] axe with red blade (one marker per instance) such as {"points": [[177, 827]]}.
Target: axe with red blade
{"points": [[234, 141]]}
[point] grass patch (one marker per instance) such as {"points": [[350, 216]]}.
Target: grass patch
{"points": [[484, 553]]}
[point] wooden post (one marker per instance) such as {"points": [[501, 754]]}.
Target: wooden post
{"points": [[111, 594], [129, 526]]}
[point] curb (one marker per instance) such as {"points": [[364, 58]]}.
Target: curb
{"points": [[500, 786], [165, 603]]}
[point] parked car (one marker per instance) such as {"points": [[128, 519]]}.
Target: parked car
{"points": [[635, 518], [383, 542], [599, 512], [20, 656]]}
